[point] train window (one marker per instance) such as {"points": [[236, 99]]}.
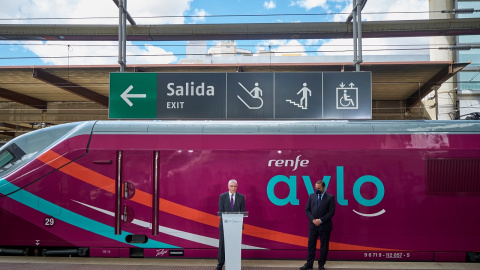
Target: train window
{"points": [[5, 158], [10, 156]]}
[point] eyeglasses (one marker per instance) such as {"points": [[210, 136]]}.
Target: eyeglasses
{"points": [[233, 186]]}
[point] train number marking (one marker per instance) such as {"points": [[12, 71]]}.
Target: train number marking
{"points": [[49, 222]]}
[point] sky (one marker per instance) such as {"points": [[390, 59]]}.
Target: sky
{"points": [[157, 12]]}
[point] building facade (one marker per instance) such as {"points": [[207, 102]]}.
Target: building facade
{"points": [[468, 80]]}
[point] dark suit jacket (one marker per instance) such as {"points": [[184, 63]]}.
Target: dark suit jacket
{"points": [[224, 204], [324, 212]]}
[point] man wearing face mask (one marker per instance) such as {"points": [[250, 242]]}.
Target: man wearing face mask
{"points": [[320, 210]]}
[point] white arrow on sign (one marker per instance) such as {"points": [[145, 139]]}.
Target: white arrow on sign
{"points": [[125, 95]]}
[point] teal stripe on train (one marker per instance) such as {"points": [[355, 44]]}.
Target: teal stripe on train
{"points": [[32, 201]]}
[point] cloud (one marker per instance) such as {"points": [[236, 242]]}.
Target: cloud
{"points": [[309, 4], [269, 5], [282, 47], [200, 15], [381, 10], [60, 12], [390, 10], [151, 12], [148, 8], [100, 53], [95, 12], [292, 47], [150, 54], [378, 46], [310, 42], [269, 45]]}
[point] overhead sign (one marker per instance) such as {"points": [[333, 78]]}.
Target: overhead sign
{"points": [[242, 95]]}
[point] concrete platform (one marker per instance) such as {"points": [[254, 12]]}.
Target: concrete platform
{"points": [[76, 263]]}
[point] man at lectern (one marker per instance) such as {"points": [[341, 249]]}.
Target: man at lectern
{"points": [[230, 201]]}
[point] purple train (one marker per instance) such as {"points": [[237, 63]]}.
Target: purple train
{"points": [[404, 190]]}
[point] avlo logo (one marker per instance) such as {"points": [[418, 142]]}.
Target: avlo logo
{"points": [[291, 181]]}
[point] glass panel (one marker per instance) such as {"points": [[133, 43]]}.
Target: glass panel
{"points": [[469, 39], [469, 80], [469, 4], [471, 55], [5, 157]]}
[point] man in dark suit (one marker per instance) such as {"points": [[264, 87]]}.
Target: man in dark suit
{"points": [[320, 210], [230, 201]]}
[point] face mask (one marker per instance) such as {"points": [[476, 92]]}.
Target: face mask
{"points": [[318, 192]]}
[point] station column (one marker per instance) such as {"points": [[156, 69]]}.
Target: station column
{"points": [[446, 94]]}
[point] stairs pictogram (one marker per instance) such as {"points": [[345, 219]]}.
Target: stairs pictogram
{"points": [[296, 104]]}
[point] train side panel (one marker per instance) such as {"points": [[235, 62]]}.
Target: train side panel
{"points": [[106, 198]]}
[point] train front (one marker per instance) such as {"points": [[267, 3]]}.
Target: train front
{"points": [[28, 197]]}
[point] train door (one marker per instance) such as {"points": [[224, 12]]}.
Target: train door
{"points": [[135, 183]]}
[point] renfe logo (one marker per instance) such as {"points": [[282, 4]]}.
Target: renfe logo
{"points": [[289, 162], [292, 184]]}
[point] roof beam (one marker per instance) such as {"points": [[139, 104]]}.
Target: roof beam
{"points": [[437, 80], [243, 31], [70, 87], [23, 99], [15, 127], [8, 133]]}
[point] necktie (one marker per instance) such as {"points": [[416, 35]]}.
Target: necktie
{"points": [[318, 200], [231, 201]]}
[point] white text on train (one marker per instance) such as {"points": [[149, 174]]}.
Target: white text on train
{"points": [[289, 162]]}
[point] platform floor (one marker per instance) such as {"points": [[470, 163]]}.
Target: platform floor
{"points": [[76, 263]]}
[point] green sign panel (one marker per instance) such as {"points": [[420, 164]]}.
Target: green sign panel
{"points": [[133, 96]]}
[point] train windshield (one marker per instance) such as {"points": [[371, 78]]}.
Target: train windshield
{"points": [[5, 158], [23, 148]]}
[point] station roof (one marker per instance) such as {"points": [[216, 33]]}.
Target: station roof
{"points": [[60, 94], [33, 96], [243, 31]]}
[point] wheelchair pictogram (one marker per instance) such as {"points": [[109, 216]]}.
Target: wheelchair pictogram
{"points": [[347, 97], [346, 100]]}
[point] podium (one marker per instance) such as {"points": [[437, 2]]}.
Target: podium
{"points": [[232, 235]]}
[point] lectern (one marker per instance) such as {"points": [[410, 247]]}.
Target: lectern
{"points": [[232, 235]]}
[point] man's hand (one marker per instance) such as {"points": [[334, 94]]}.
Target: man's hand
{"points": [[317, 222]]}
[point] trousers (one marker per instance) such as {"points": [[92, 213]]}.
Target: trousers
{"points": [[313, 236]]}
